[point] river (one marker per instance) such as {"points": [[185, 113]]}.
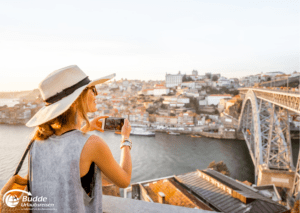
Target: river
{"points": [[152, 157]]}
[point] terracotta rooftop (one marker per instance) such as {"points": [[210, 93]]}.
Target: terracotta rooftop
{"points": [[172, 195]]}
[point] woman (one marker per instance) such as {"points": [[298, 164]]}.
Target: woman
{"points": [[66, 163]]}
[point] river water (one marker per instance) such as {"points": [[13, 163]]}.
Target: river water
{"points": [[152, 157]]}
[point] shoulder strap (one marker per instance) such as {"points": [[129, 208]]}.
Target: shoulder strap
{"points": [[23, 157]]}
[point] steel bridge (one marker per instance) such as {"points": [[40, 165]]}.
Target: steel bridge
{"points": [[264, 122]]}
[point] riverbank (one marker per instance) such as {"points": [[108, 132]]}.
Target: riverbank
{"points": [[232, 135]]}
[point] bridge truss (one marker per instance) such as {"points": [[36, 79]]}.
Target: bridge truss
{"points": [[264, 122]]}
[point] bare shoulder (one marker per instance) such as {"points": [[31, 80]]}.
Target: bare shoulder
{"points": [[95, 141], [95, 145]]}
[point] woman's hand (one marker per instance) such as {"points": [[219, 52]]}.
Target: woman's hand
{"points": [[126, 129], [95, 124]]}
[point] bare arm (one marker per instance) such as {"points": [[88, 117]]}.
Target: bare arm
{"points": [[102, 156]]}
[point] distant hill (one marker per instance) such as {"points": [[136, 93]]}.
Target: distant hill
{"points": [[30, 94], [13, 94]]}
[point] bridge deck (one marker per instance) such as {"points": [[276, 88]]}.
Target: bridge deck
{"points": [[287, 99]]}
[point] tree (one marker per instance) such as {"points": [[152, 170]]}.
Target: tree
{"points": [[219, 167], [215, 78], [186, 78], [208, 75], [164, 106], [151, 110]]}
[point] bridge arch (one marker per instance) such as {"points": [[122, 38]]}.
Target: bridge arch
{"points": [[265, 123], [249, 124]]}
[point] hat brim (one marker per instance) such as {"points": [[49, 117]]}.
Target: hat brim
{"points": [[47, 113]]}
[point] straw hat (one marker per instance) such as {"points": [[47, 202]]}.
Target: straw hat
{"points": [[59, 90]]}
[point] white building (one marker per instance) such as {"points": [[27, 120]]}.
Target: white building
{"points": [[215, 99], [203, 92], [174, 101], [223, 82], [168, 99], [252, 79], [173, 80], [202, 102], [146, 92], [200, 84], [208, 82], [190, 84], [195, 72], [150, 92], [183, 100], [192, 93], [176, 104], [160, 90], [201, 121]]}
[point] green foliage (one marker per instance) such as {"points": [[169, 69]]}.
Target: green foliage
{"points": [[151, 110], [215, 78], [164, 106], [208, 75], [186, 78]]}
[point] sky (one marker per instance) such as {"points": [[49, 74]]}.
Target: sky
{"points": [[146, 39]]}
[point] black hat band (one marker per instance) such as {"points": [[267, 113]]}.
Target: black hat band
{"points": [[53, 99]]}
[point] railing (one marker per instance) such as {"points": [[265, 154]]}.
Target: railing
{"points": [[275, 89], [285, 99], [113, 204]]}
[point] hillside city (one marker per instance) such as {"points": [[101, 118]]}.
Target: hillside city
{"points": [[188, 103], [206, 105]]}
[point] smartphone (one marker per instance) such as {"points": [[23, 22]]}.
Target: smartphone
{"points": [[113, 124]]}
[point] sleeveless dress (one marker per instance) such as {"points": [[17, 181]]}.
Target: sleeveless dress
{"points": [[55, 175]]}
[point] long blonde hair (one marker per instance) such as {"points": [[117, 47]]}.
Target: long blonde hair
{"points": [[44, 131]]}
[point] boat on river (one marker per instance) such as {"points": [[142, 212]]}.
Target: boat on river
{"points": [[141, 132], [173, 133], [196, 136]]}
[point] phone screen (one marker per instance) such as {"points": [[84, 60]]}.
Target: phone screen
{"points": [[114, 124]]}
